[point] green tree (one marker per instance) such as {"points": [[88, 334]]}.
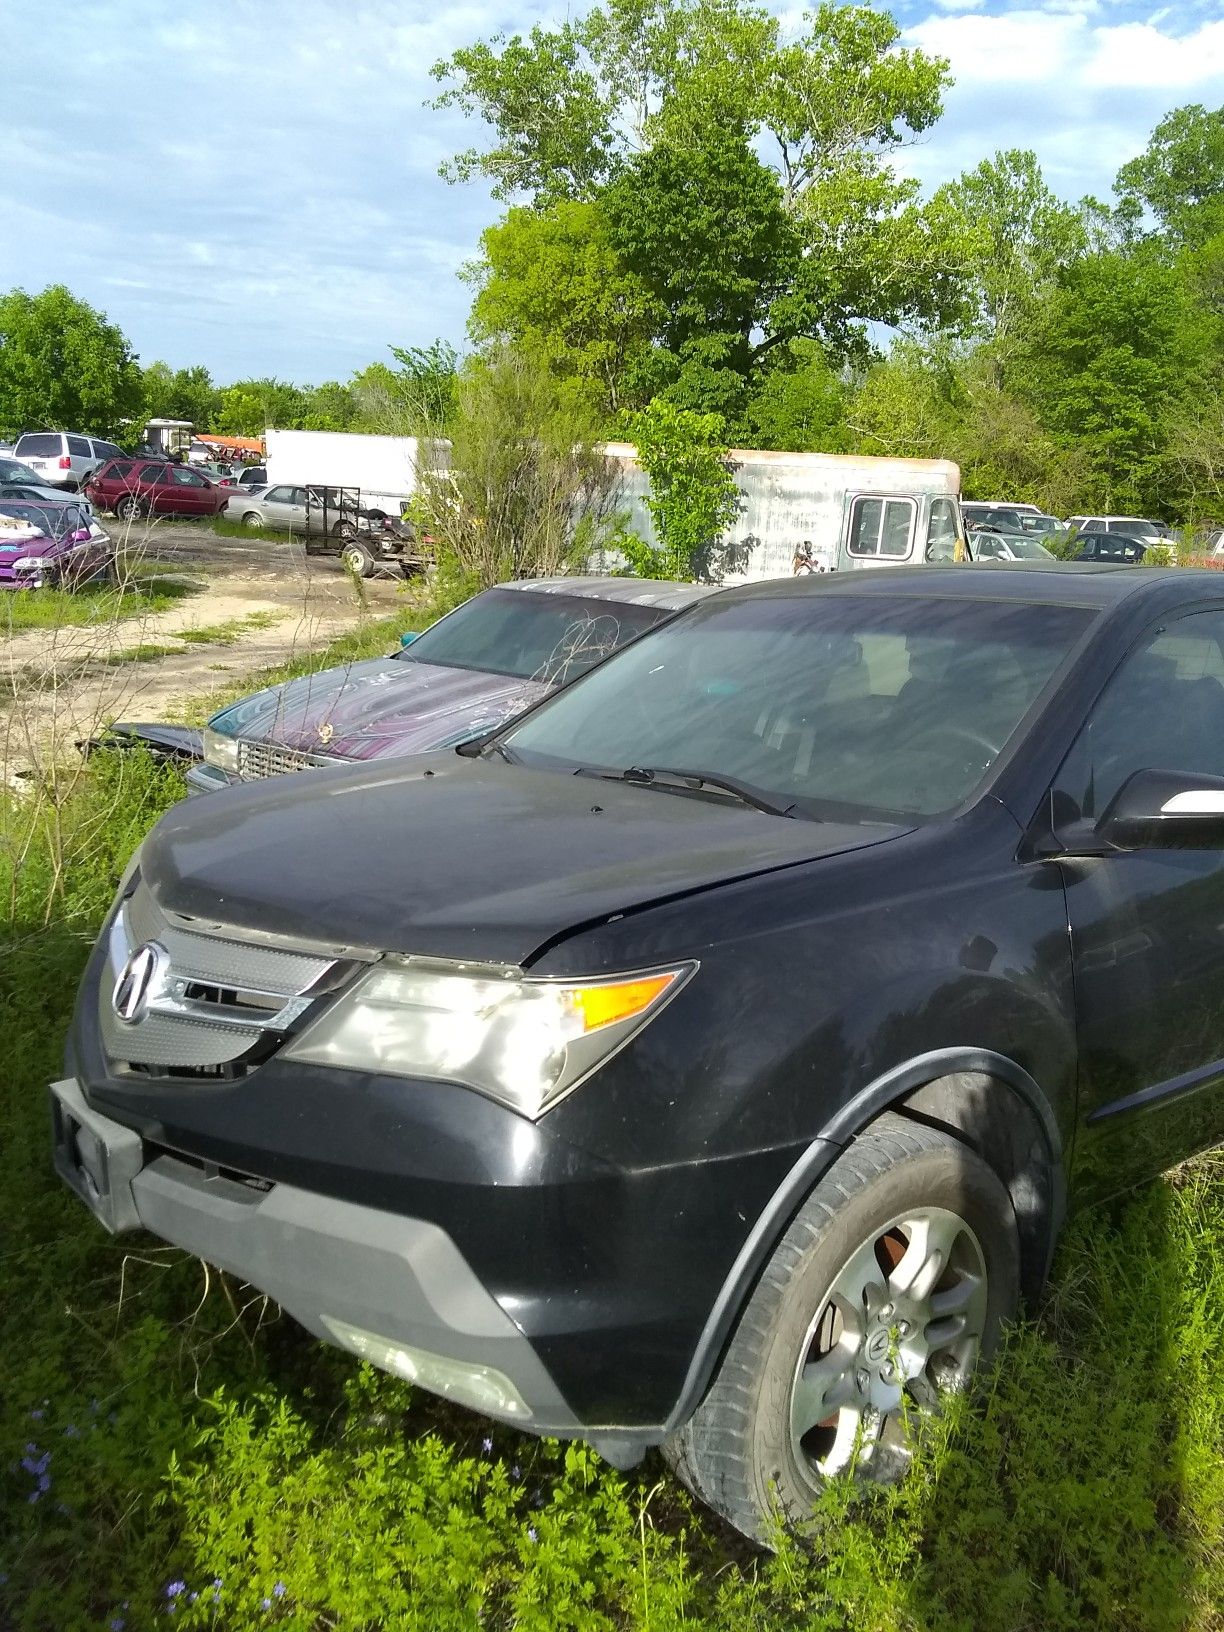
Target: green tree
{"points": [[1117, 347], [800, 404], [1019, 236], [64, 366], [248, 407], [517, 488], [327, 407], [693, 497], [179, 393], [1179, 178], [659, 111], [552, 282], [704, 229]]}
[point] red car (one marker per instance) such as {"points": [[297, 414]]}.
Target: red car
{"points": [[133, 487]]}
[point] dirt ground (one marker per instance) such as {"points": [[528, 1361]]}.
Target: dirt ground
{"points": [[262, 603]]}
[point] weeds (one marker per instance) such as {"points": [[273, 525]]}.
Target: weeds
{"points": [[145, 594]]}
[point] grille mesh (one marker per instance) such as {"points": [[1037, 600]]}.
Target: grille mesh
{"points": [[267, 759], [207, 972]]}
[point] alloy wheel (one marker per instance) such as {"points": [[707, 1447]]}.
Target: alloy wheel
{"points": [[901, 1325]]}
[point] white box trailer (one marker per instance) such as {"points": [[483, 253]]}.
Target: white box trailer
{"points": [[853, 510], [383, 467]]}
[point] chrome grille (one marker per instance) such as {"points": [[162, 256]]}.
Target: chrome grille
{"points": [[267, 759], [210, 999]]}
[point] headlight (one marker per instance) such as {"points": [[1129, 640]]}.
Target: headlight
{"points": [[220, 750], [524, 1042], [26, 563]]}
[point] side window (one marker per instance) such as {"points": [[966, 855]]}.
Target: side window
{"points": [[1162, 711], [989, 549], [79, 446], [187, 478], [155, 474], [279, 495], [881, 527], [942, 531]]}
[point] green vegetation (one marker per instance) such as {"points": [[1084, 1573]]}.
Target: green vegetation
{"points": [[62, 364], [227, 527], [224, 634], [138, 596], [171, 1444], [146, 652]]}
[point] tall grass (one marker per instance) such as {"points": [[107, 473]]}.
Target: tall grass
{"points": [[172, 1450]]}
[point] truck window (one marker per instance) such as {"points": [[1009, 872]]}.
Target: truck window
{"points": [[881, 527]]}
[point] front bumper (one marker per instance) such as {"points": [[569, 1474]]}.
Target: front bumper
{"points": [[391, 1289]]}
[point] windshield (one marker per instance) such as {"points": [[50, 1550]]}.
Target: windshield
{"points": [[531, 635], [12, 470], [850, 707], [54, 520], [1028, 549]]}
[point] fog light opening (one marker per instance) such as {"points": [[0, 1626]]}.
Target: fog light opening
{"points": [[468, 1382]]}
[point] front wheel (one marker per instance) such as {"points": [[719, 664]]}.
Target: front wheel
{"points": [[355, 558], [251, 519], [890, 1285]]}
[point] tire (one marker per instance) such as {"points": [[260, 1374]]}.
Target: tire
{"points": [[344, 530], [833, 1347], [356, 558], [253, 519], [128, 508]]}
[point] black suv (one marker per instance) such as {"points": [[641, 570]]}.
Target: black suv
{"points": [[707, 1060]]}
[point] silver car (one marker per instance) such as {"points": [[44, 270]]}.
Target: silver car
{"points": [[286, 509]]}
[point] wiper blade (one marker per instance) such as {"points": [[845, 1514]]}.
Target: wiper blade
{"points": [[664, 776]]}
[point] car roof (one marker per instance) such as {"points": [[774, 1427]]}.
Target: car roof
{"points": [[1094, 584], [622, 591]]}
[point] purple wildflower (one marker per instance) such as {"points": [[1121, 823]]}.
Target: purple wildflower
{"points": [[531, 1534], [174, 1588], [72, 1431], [117, 1624], [516, 1472], [37, 1414], [267, 1603], [486, 1445], [278, 1591]]}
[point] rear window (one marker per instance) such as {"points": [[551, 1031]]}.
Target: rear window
{"points": [[39, 445], [550, 638]]}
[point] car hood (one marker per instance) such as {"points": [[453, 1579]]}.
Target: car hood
{"points": [[384, 706], [32, 544], [456, 857]]}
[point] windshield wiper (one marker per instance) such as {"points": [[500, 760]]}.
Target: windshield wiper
{"points": [[658, 775]]}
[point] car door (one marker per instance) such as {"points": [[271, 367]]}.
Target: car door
{"points": [[280, 510], [157, 488], [1147, 926], [193, 493]]}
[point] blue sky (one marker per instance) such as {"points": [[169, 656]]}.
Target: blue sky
{"points": [[255, 186]]}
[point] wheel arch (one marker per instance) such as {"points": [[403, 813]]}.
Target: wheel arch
{"points": [[956, 1089]]}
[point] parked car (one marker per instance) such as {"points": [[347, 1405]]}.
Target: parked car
{"points": [[130, 489], [985, 545], [991, 516], [63, 459], [50, 544], [1118, 547], [332, 521], [251, 476], [478, 667], [18, 481], [709, 1059], [1153, 532]]}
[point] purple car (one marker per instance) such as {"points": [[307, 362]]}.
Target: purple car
{"points": [[48, 544], [483, 663]]}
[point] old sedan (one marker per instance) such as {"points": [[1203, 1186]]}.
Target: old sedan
{"points": [[51, 543], [487, 661], [711, 1058]]}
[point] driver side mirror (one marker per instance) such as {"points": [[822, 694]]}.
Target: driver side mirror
{"points": [[81, 535], [1165, 810]]}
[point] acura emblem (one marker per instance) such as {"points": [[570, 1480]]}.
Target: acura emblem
{"points": [[141, 974], [326, 732]]}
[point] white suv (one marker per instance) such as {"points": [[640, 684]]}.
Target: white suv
{"points": [[62, 458], [1152, 532]]}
